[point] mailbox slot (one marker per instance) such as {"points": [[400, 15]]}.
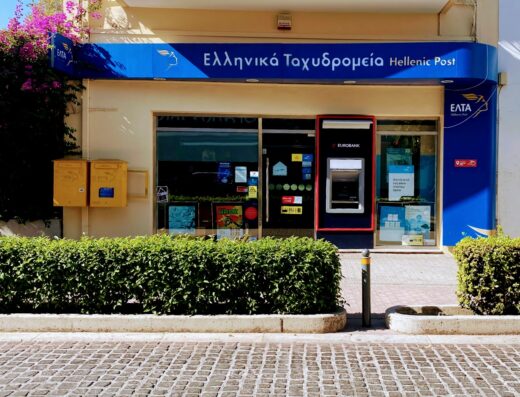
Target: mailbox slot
{"points": [[108, 183]]}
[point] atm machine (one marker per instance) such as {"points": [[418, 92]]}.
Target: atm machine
{"points": [[345, 180]]}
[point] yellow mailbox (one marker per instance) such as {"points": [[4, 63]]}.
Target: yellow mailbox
{"points": [[108, 183], [70, 183]]}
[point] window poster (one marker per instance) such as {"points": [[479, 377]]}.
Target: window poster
{"points": [[229, 220], [400, 181], [224, 173], [182, 218], [398, 156], [391, 223], [418, 219], [240, 174]]}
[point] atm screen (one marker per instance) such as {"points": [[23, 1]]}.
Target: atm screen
{"points": [[345, 194], [345, 185]]}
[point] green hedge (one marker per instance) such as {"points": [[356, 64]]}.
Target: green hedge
{"points": [[489, 274], [163, 275]]}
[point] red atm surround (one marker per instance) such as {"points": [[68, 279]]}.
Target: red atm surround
{"points": [[317, 189]]}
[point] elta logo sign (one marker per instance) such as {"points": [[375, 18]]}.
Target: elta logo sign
{"points": [[172, 58], [64, 53], [476, 104]]}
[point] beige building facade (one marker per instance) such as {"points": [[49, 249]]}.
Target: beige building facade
{"points": [[120, 117]]}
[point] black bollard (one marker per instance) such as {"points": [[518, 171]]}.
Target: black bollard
{"points": [[365, 288]]}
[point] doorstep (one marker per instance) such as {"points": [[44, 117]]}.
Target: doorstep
{"points": [[409, 250], [269, 323], [448, 320]]}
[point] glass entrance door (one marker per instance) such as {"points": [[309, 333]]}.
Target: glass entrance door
{"points": [[288, 159]]}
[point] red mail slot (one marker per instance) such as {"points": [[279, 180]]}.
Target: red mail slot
{"points": [[465, 163]]}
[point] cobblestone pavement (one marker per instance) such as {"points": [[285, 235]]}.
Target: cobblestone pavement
{"points": [[400, 279], [257, 369]]}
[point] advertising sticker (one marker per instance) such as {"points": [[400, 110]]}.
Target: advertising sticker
{"points": [[291, 210], [292, 199], [279, 169]]}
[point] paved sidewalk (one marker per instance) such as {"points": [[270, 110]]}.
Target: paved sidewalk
{"points": [[217, 369], [400, 279], [359, 362]]}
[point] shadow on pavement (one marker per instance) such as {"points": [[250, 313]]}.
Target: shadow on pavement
{"points": [[354, 323]]}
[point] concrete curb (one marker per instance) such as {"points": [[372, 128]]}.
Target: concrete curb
{"points": [[286, 323], [448, 320], [355, 337]]}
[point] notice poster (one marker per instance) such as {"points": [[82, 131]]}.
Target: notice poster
{"points": [[162, 194], [400, 181], [418, 219], [391, 223], [229, 220], [182, 218]]}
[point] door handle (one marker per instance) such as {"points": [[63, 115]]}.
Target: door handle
{"points": [[266, 190]]}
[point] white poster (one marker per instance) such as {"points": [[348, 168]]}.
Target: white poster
{"points": [[400, 181]]}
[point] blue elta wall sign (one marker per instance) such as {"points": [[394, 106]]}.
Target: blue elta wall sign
{"points": [[397, 62], [61, 54], [469, 197]]}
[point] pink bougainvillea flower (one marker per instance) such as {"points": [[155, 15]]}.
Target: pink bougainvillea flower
{"points": [[28, 39], [27, 85]]}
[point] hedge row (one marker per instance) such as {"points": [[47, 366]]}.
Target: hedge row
{"points": [[163, 275], [489, 274]]}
